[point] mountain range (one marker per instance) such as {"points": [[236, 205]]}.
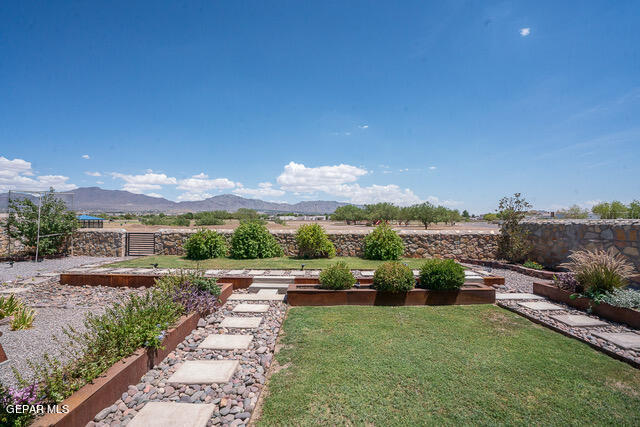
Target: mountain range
{"points": [[95, 199]]}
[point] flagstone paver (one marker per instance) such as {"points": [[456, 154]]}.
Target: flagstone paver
{"points": [[241, 322], [226, 342], [540, 305], [578, 320], [235, 272], [204, 372], [517, 296], [251, 308], [172, 414], [258, 296], [626, 340]]}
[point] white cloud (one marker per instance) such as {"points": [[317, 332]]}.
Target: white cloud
{"points": [[141, 183], [100, 182], [524, 32], [448, 203], [432, 168], [17, 174], [201, 182], [193, 197], [93, 173], [86, 156], [154, 195], [265, 189], [297, 177], [354, 193], [364, 126]]}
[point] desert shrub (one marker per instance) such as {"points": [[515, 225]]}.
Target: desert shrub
{"points": [[23, 318], [313, 242], [532, 264], [205, 244], [393, 277], [513, 243], [208, 218], [337, 277], [191, 290], [383, 243], [252, 240], [599, 271], [627, 298], [441, 274], [9, 305]]}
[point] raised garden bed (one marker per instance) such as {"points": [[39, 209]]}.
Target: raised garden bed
{"points": [[540, 274], [133, 280], [85, 403], [311, 295], [606, 311]]}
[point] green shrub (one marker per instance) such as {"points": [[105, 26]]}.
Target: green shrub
{"points": [[393, 277], [205, 244], [23, 318], [208, 218], [9, 305], [313, 242], [599, 271], [383, 244], [533, 264], [441, 274], [252, 240], [337, 277]]}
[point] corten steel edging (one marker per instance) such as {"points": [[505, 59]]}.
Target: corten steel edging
{"points": [[540, 274], [134, 280], [607, 311], [85, 403], [303, 295], [569, 335]]}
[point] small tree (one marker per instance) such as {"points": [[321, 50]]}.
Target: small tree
{"points": [[575, 212], [349, 213], [513, 244], [634, 209], [465, 214], [426, 214], [56, 223]]}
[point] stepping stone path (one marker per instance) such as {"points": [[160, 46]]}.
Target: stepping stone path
{"points": [[204, 372], [626, 340], [517, 296], [263, 295], [251, 308], [213, 377], [540, 305], [578, 320]]}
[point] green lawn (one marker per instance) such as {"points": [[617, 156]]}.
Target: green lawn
{"points": [[281, 263], [454, 365]]}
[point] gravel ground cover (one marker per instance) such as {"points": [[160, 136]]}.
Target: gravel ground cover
{"points": [[25, 269], [234, 401]]}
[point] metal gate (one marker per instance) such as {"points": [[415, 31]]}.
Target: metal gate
{"points": [[141, 244]]}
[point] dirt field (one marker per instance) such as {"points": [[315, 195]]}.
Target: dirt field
{"points": [[329, 226]]}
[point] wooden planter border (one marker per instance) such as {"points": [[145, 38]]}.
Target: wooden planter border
{"points": [[607, 311], [85, 403], [311, 295]]}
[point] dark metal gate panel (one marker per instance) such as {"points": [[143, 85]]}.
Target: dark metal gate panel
{"points": [[141, 244]]}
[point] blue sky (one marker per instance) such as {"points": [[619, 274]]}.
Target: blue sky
{"points": [[456, 102]]}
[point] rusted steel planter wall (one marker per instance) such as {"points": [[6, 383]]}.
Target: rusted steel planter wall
{"points": [[607, 311], [307, 295], [106, 389], [540, 274]]}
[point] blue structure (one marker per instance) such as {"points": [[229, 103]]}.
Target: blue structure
{"points": [[88, 221]]}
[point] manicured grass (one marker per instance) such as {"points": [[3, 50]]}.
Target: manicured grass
{"points": [[281, 263], [454, 365]]}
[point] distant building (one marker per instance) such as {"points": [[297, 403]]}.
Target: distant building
{"points": [[88, 221]]}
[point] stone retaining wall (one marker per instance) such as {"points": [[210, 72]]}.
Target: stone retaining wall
{"points": [[553, 240], [98, 243]]}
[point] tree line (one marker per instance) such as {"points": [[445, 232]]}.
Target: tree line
{"points": [[427, 213]]}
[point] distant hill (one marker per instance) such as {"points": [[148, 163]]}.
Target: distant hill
{"points": [[96, 199]]}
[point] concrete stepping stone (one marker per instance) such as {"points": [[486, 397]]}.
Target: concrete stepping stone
{"points": [[14, 290], [235, 272], [255, 272], [226, 342], [251, 308], [578, 320], [173, 414], [277, 272], [540, 305], [212, 272], [626, 340], [516, 296], [298, 272], [273, 279], [259, 296], [204, 372], [241, 322], [281, 288], [367, 273]]}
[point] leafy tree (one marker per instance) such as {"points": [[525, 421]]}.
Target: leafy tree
{"points": [[490, 217], [618, 210], [244, 214], [382, 212], [56, 223], [513, 244], [575, 212], [349, 213], [465, 214], [634, 209], [426, 214], [406, 214]]}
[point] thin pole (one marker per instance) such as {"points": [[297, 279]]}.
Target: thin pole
{"points": [[38, 237], [9, 224]]}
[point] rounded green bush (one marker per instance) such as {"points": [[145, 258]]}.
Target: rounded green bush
{"points": [[393, 277], [313, 242], [252, 240], [441, 274], [337, 277], [205, 244], [383, 243]]}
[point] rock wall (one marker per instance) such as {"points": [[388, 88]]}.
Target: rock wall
{"points": [[417, 244], [553, 240], [98, 243]]}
